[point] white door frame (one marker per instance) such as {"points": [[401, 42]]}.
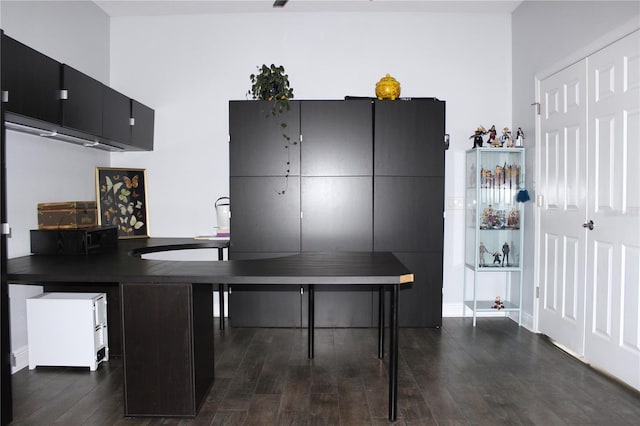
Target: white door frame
{"points": [[577, 56]]}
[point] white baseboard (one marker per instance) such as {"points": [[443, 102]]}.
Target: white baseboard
{"points": [[20, 359]]}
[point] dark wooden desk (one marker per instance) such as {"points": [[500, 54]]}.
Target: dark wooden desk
{"points": [[166, 310]]}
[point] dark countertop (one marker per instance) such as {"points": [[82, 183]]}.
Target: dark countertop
{"points": [[125, 265]]}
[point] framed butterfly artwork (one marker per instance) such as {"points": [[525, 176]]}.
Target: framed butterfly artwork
{"points": [[122, 200]]}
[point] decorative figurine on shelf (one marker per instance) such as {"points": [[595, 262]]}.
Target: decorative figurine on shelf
{"points": [[496, 258], [505, 254], [477, 137], [483, 251], [519, 137], [506, 139], [498, 303], [487, 217], [514, 219], [493, 141]]}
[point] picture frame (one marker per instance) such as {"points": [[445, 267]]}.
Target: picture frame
{"points": [[122, 200]]}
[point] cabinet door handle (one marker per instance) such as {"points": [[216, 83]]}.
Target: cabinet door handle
{"points": [[5, 96], [64, 94]]}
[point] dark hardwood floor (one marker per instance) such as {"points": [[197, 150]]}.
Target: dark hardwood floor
{"points": [[496, 373]]}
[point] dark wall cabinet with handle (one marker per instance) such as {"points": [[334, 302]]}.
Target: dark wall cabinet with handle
{"points": [[30, 82], [43, 96], [362, 175]]}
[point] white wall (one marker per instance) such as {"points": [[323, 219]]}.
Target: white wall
{"points": [[189, 67], [41, 170], [546, 34]]}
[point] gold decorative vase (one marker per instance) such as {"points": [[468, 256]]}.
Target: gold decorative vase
{"points": [[388, 88]]}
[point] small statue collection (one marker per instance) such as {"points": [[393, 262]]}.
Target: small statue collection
{"points": [[498, 260], [498, 219], [505, 140]]}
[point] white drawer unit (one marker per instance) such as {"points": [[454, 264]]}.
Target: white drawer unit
{"points": [[67, 329]]}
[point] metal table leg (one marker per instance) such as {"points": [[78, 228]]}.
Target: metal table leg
{"points": [[311, 321], [381, 322], [393, 354], [221, 293]]}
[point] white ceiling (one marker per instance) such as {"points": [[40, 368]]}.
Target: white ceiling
{"points": [[116, 8]]}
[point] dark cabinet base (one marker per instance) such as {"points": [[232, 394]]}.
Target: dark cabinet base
{"points": [[168, 346]]}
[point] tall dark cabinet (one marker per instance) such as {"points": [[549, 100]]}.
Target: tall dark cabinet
{"points": [[355, 175]]}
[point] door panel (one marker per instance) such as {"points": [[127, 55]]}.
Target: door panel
{"points": [[562, 184], [408, 213], [337, 213], [612, 338], [337, 138], [258, 142], [254, 305], [261, 218], [409, 137]]}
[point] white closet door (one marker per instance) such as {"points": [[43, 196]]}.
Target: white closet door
{"points": [[562, 184], [612, 335]]}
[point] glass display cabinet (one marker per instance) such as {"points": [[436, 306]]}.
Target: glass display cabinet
{"points": [[493, 232]]}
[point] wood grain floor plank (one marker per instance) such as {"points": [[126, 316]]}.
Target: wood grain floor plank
{"points": [[495, 373]]}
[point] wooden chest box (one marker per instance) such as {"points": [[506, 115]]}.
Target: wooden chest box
{"points": [[67, 215]]}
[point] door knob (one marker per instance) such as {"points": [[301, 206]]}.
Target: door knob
{"points": [[589, 225]]}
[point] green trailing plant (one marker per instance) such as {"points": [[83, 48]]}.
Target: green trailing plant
{"points": [[272, 84]]}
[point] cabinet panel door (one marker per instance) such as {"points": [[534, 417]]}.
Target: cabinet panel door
{"points": [[258, 144], [82, 110], [264, 305], [343, 306], [409, 137], [158, 316], [263, 219], [421, 302], [336, 213], [116, 113], [408, 213], [142, 129], [32, 81], [336, 138]]}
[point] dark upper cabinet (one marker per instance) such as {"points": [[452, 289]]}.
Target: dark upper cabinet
{"points": [[142, 127], [409, 137], [262, 218], [42, 95], [336, 213], [408, 213], [82, 104], [337, 138], [116, 116], [258, 140], [30, 82]]}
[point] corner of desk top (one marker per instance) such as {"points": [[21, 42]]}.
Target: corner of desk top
{"points": [[406, 278]]}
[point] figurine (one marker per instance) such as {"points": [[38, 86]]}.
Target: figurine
{"points": [[477, 137], [498, 303], [514, 219], [496, 258], [506, 138], [483, 250], [519, 137], [505, 253], [492, 137]]}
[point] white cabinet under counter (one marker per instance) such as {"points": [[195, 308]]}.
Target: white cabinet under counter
{"points": [[67, 329]]}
